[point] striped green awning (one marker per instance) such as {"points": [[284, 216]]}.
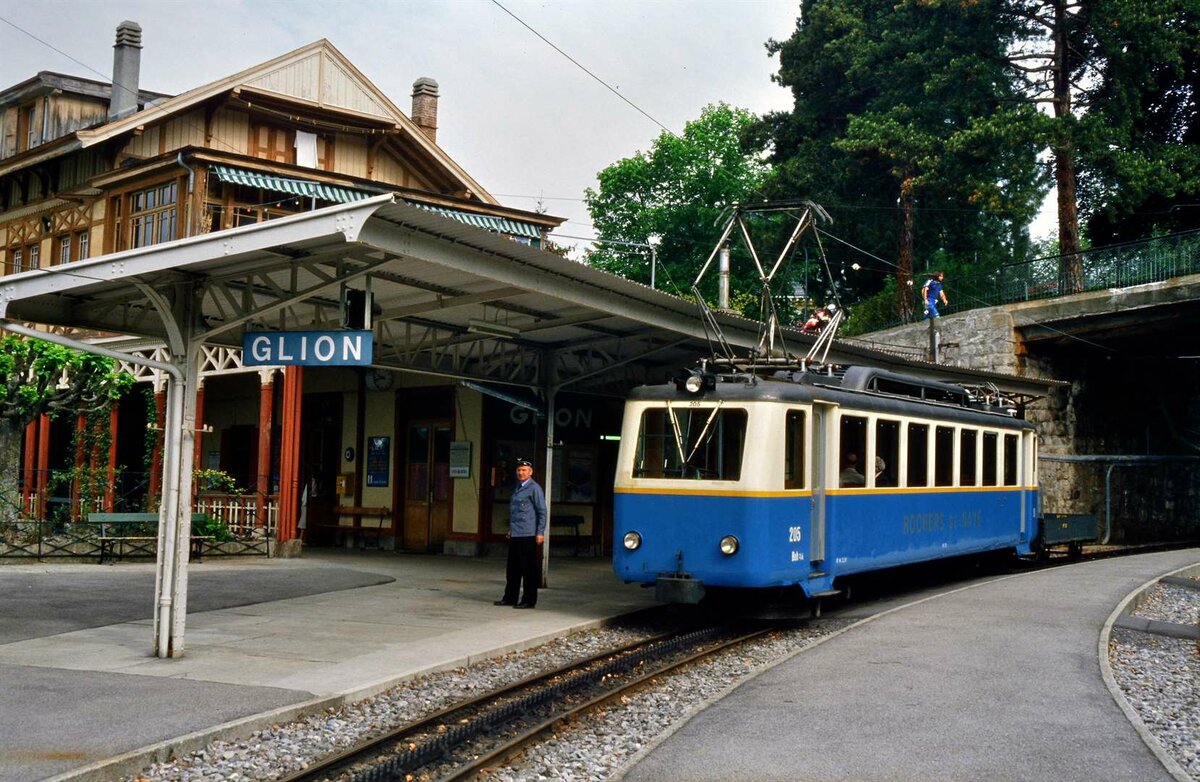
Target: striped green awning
{"points": [[300, 187], [342, 195], [501, 225]]}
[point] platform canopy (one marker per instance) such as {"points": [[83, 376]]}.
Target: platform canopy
{"points": [[451, 300]]}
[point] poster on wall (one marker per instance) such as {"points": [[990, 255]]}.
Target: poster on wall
{"points": [[460, 459], [574, 474], [378, 449]]}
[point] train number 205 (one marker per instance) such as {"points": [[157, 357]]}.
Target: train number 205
{"points": [[794, 535]]}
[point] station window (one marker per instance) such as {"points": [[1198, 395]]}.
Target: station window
{"points": [[943, 457], [918, 455], [1010, 459], [71, 247], [153, 214], [794, 440], [853, 451], [991, 441], [887, 448], [23, 259], [697, 443], [967, 458]]}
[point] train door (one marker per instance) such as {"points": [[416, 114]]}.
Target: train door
{"points": [[822, 474], [427, 485]]}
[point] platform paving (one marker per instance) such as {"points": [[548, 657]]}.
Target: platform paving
{"points": [[999, 680], [266, 639]]}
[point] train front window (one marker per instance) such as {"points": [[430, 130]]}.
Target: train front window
{"points": [[696, 443]]}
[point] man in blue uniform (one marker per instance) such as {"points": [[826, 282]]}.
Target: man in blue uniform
{"points": [[526, 531], [932, 292]]}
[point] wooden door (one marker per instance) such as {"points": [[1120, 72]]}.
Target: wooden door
{"points": [[427, 485]]}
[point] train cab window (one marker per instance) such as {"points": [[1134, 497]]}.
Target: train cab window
{"points": [[918, 455], [695, 443], [794, 440], [1010, 459], [853, 450], [886, 464], [967, 458], [991, 442], [943, 456]]}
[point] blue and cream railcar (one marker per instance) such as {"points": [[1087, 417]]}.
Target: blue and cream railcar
{"points": [[798, 479]]}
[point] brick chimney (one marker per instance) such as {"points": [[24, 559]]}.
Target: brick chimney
{"points": [[425, 102], [127, 64]]}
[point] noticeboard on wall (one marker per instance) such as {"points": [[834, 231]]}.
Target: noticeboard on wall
{"points": [[460, 459], [378, 461]]}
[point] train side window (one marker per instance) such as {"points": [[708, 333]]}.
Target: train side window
{"points": [[794, 440], [991, 441], [1010, 459], [853, 449], [918, 455], [887, 449], [967, 457], [943, 457]]}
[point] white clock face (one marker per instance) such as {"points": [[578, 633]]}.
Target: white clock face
{"points": [[379, 379]]}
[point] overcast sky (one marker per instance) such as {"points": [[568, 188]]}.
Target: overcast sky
{"points": [[515, 113]]}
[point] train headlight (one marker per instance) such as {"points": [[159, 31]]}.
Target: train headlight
{"points": [[694, 384], [632, 541], [729, 545]]}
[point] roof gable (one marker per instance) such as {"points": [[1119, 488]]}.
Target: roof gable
{"points": [[316, 74], [320, 74]]}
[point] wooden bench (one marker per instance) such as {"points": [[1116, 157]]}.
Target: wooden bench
{"points": [[574, 522], [361, 531], [117, 538]]}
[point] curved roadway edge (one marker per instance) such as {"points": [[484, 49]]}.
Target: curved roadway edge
{"points": [[1128, 605], [662, 737], [130, 763], [1168, 763]]}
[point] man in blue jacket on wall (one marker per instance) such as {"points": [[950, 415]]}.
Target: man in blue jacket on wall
{"points": [[526, 531]]}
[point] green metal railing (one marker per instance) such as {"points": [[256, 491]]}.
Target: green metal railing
{"points": [[1115, 266]]}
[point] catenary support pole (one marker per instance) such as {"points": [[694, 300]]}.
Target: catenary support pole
{"points": [[549, 478]]}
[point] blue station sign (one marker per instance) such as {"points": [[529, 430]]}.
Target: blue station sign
{"points": [[307, 348]]}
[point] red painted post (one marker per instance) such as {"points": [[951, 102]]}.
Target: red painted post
{"points": [[198, 462], [289, 457], [262, 485], [43, 466], [29, 468], [110, 496]]}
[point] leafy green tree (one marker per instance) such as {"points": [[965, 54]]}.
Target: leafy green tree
{"points": [[36, 378], [1120, 78], [675, 195], [1143, 171], [906, 130]]}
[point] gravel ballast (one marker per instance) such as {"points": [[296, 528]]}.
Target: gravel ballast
{"points": [[1160, 676]]}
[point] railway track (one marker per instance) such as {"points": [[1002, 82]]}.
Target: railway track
{"points": [[462, 740]]}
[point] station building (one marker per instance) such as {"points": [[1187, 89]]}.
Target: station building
{"points": [[414, 452]]}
